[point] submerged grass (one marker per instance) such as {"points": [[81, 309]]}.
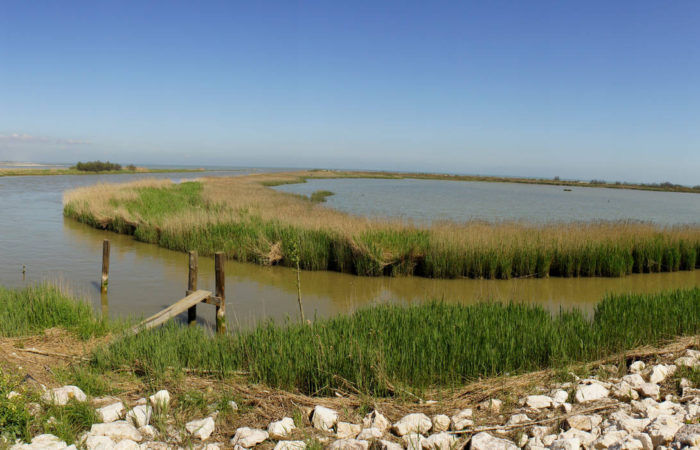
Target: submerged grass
{"points": [[379, 348], [33, 309], [251, 222]]}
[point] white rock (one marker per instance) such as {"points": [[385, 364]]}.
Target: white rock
{"points": [[376, 420], [118, 431], [248, 437], [12, 394], [547, 440], [387, 445], [369, 434], [43, 442], [99, 443], [110, 413], [440, 423], [635, 380], [61, 396], [154, 445], [516, 419], [439, 441], [583, 437], [609, 439], [566, 444], [202, 429], [413, 423], [625, 422], [539, 431], [290, 445], [534, 444], [686, 435], [160, 398], [140, 415], [584, 423], [538, 401], [462, 420], [233, 405], [484, 441], [624, 391], [637, 367], [591, 392], [324, 418], [148, 431], [281, 429], [560, 396], [660, 372], [493, 405], [663, 429], [349, 444], [649, 390], [644, 438], [687, 361], [127, 444], [346, 430], [413, 441]]}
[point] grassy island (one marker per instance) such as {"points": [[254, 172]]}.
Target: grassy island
{"points": [[250, 222]]}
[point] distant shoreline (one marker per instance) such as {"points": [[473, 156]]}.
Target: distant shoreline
{"points": [[5, 172]]}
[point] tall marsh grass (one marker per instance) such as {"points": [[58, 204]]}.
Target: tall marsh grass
{"points": [[435, 344], [251, 222]]}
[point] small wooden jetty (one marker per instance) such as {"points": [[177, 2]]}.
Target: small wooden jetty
{"points": [[193, 296]]}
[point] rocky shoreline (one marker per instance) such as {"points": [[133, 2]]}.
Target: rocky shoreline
{"points": [[637, 405]]}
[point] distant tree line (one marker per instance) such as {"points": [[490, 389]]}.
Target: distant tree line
{"points": [[101, 166]]}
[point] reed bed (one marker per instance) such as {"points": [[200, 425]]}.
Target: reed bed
{"points": [[380, 349], [250, 222]]}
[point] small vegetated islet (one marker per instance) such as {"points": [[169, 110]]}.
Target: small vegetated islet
{"points": [[253, 223]]}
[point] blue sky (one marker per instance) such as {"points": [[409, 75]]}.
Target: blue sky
{"points": [[590, 89]]}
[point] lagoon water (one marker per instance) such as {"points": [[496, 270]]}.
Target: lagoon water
{"points": [[145, 278], [425, 201]]}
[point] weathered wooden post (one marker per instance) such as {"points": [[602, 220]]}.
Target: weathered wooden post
{"points": [[220, 292], [192, 286], [105, 265]]}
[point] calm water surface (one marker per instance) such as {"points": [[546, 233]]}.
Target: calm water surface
{"points": [[434, 200], [145, 278]]}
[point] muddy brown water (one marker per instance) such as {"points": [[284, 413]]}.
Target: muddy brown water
{"points": [[145, 278]]}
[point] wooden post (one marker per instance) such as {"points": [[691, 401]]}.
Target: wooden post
{"points": [[105, 265], [192, 286], [220, 292]]}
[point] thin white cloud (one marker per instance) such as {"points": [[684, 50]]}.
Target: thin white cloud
{"points": [[17, 138]]}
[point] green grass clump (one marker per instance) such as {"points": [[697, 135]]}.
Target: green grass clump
{"points": [[14, 416], [33, 309], [320, 196], [433, 344]]}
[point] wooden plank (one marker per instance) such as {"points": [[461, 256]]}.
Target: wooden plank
{"points": [[220, 273], [192, 286], [172, 311], [105, 266]]}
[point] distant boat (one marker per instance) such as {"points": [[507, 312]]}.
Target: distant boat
{"points": [[567, 190]]}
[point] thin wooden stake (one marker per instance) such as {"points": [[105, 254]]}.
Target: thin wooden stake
{"points": [[219, 259], [105, 266], [192, 286]]}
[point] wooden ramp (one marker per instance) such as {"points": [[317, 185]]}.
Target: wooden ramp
{"points": [[171, 311]]}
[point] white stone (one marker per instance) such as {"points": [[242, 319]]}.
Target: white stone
{"points": [[538, 401], [375, 419], [462, 420], [349, 444], [43, 442], [160, 399], [202, 429], [324, 418], [584, 423], [646, 441], [663, 429], [233, 405], [346, 430], [140, 415], [413, 441], [118, 430], [387, 445], [560, 396], [127, 444], [516, 419], [369, 434], [110, 413], [61, 396], [248, 437], [413, 423], [290, 445], [566, 444], [687, 435], [635, 380], [99, 443], [660, 372], [649, 390], [484, 441], [624, 391], [439, 441], [281, 429], [625, 422], [148, 431], [583, 437], [609, 439], [637, 367], [493, 405], [591, 392], [440, 423]]}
